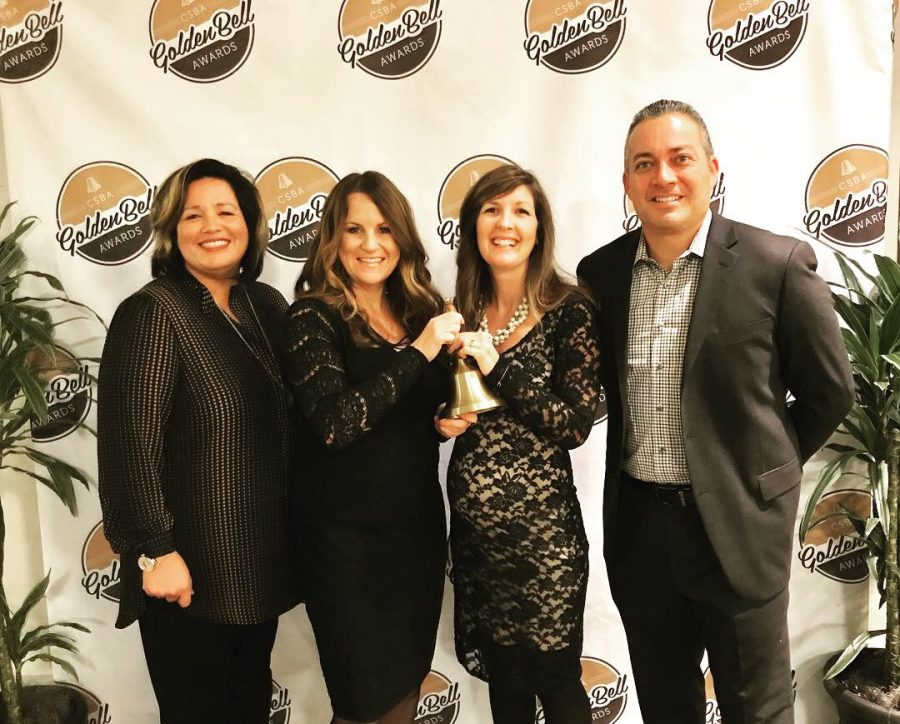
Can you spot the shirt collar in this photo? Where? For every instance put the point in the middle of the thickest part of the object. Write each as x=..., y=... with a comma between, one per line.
x=696, y=247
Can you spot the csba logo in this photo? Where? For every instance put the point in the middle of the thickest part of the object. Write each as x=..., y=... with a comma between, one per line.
x=846, y=196
x=831, y=546
x=389, y=38
x=103, y=213
x=573, y=36
x=438, y=700
x=201, y=40
x=756, y=34
x=456, y=185
x=100, y=567
x=293, y=192
x=30, y=38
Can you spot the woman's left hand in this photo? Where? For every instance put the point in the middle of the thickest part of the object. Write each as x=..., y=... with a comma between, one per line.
x=479, y=346
x=450, y=427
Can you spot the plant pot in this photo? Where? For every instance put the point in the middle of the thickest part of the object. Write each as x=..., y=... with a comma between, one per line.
x=50, y=704
x=853, y=708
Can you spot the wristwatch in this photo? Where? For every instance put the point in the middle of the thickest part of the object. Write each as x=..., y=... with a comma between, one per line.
x=146, y=563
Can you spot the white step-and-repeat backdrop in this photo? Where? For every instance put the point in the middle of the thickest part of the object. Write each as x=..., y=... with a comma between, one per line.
x=101, y=100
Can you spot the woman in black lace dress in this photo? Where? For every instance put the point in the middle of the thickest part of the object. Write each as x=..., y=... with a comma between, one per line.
x=519, y=551
x=362, y=339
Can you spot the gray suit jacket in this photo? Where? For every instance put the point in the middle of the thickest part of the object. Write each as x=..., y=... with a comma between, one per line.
x=763, y=324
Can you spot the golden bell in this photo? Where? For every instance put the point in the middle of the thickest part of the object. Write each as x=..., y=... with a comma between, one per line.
x=470, y=393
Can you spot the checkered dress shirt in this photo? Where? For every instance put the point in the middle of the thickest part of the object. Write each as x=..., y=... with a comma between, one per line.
x=658, y=322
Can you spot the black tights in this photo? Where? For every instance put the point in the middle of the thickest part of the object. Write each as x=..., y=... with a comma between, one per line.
x=404, y=712
x=518, y=675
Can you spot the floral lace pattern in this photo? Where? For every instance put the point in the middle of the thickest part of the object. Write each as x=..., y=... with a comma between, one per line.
x=517, y=539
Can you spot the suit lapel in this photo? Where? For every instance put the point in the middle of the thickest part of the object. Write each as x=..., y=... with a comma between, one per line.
x=719, y=260
x=620, y=302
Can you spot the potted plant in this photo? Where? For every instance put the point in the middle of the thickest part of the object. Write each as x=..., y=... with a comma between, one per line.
x=864, y=681
x=26, y=352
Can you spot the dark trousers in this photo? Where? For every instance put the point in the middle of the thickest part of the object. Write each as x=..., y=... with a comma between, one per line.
x=204, y=671
x=675, y=601
x=518, y=675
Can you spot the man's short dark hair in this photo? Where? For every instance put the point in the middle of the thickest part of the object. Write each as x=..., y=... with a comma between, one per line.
x=663, y=107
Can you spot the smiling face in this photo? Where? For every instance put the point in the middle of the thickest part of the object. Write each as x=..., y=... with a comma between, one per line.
x=212, y=233
x=668, y=176
x=506, y=229
x=368, y=251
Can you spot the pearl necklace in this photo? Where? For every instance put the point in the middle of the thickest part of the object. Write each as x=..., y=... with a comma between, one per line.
x=520, y=315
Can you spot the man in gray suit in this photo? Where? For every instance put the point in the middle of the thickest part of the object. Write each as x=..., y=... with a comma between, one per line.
x=706, y=325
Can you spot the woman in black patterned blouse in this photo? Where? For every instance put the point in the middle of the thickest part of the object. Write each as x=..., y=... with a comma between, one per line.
x=518, y=546
x=362, y=339
x=194, y=444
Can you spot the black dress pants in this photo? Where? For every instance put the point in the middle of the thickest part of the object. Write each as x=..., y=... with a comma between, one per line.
x=203, y=671
x=675, y=602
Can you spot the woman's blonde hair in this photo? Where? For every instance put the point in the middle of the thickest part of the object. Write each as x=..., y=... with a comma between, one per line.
x=412, y=296
x=168, y=205
x=545, y=288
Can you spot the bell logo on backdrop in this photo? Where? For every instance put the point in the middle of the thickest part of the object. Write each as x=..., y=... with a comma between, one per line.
x=713, y=715
x=716, y=204
x=756, y=34
x=201, y=40
x=67, y=390
x=30, y=38
x=280, y=707
x=573, y=36
x=846, y=196
x=831, y=547
x=607, y=690
x=103, y=213
x=98, y=711
x=439, y=700
x=100, y=567
x=389, y=39
x=293, y=192
x=456, y=185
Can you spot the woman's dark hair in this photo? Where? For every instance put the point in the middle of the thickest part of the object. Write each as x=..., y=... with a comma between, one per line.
x=545, y=288
x=168, y=205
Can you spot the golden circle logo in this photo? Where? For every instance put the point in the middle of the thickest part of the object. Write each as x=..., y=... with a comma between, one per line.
x=756, y=34
x=389, y=39
x=606, y=688
x=713, y=715
x=201, y=40
x=103, y=213
x=438, y=700
x=280, y=707
x=602, y=411
x=97, y=710
x=67, y=391
x=573, y=36
x=456, y=185
x=293, y=192
x=100, y=567
x=30, y=38
x=831, y=546
x=846, y=196
x=716, y=204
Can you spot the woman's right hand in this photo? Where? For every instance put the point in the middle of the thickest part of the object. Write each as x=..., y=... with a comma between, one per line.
x=439, y=331
x=170, y=580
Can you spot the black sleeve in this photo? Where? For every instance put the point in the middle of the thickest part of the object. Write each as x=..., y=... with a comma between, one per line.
x=565, y=413
x=338, y=413
x=138, y=375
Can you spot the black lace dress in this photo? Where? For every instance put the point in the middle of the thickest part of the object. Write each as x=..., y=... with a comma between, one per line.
x=367, y=507
x=518, y=546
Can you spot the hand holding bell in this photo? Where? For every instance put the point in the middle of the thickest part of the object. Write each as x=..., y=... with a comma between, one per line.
x=469, y=391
